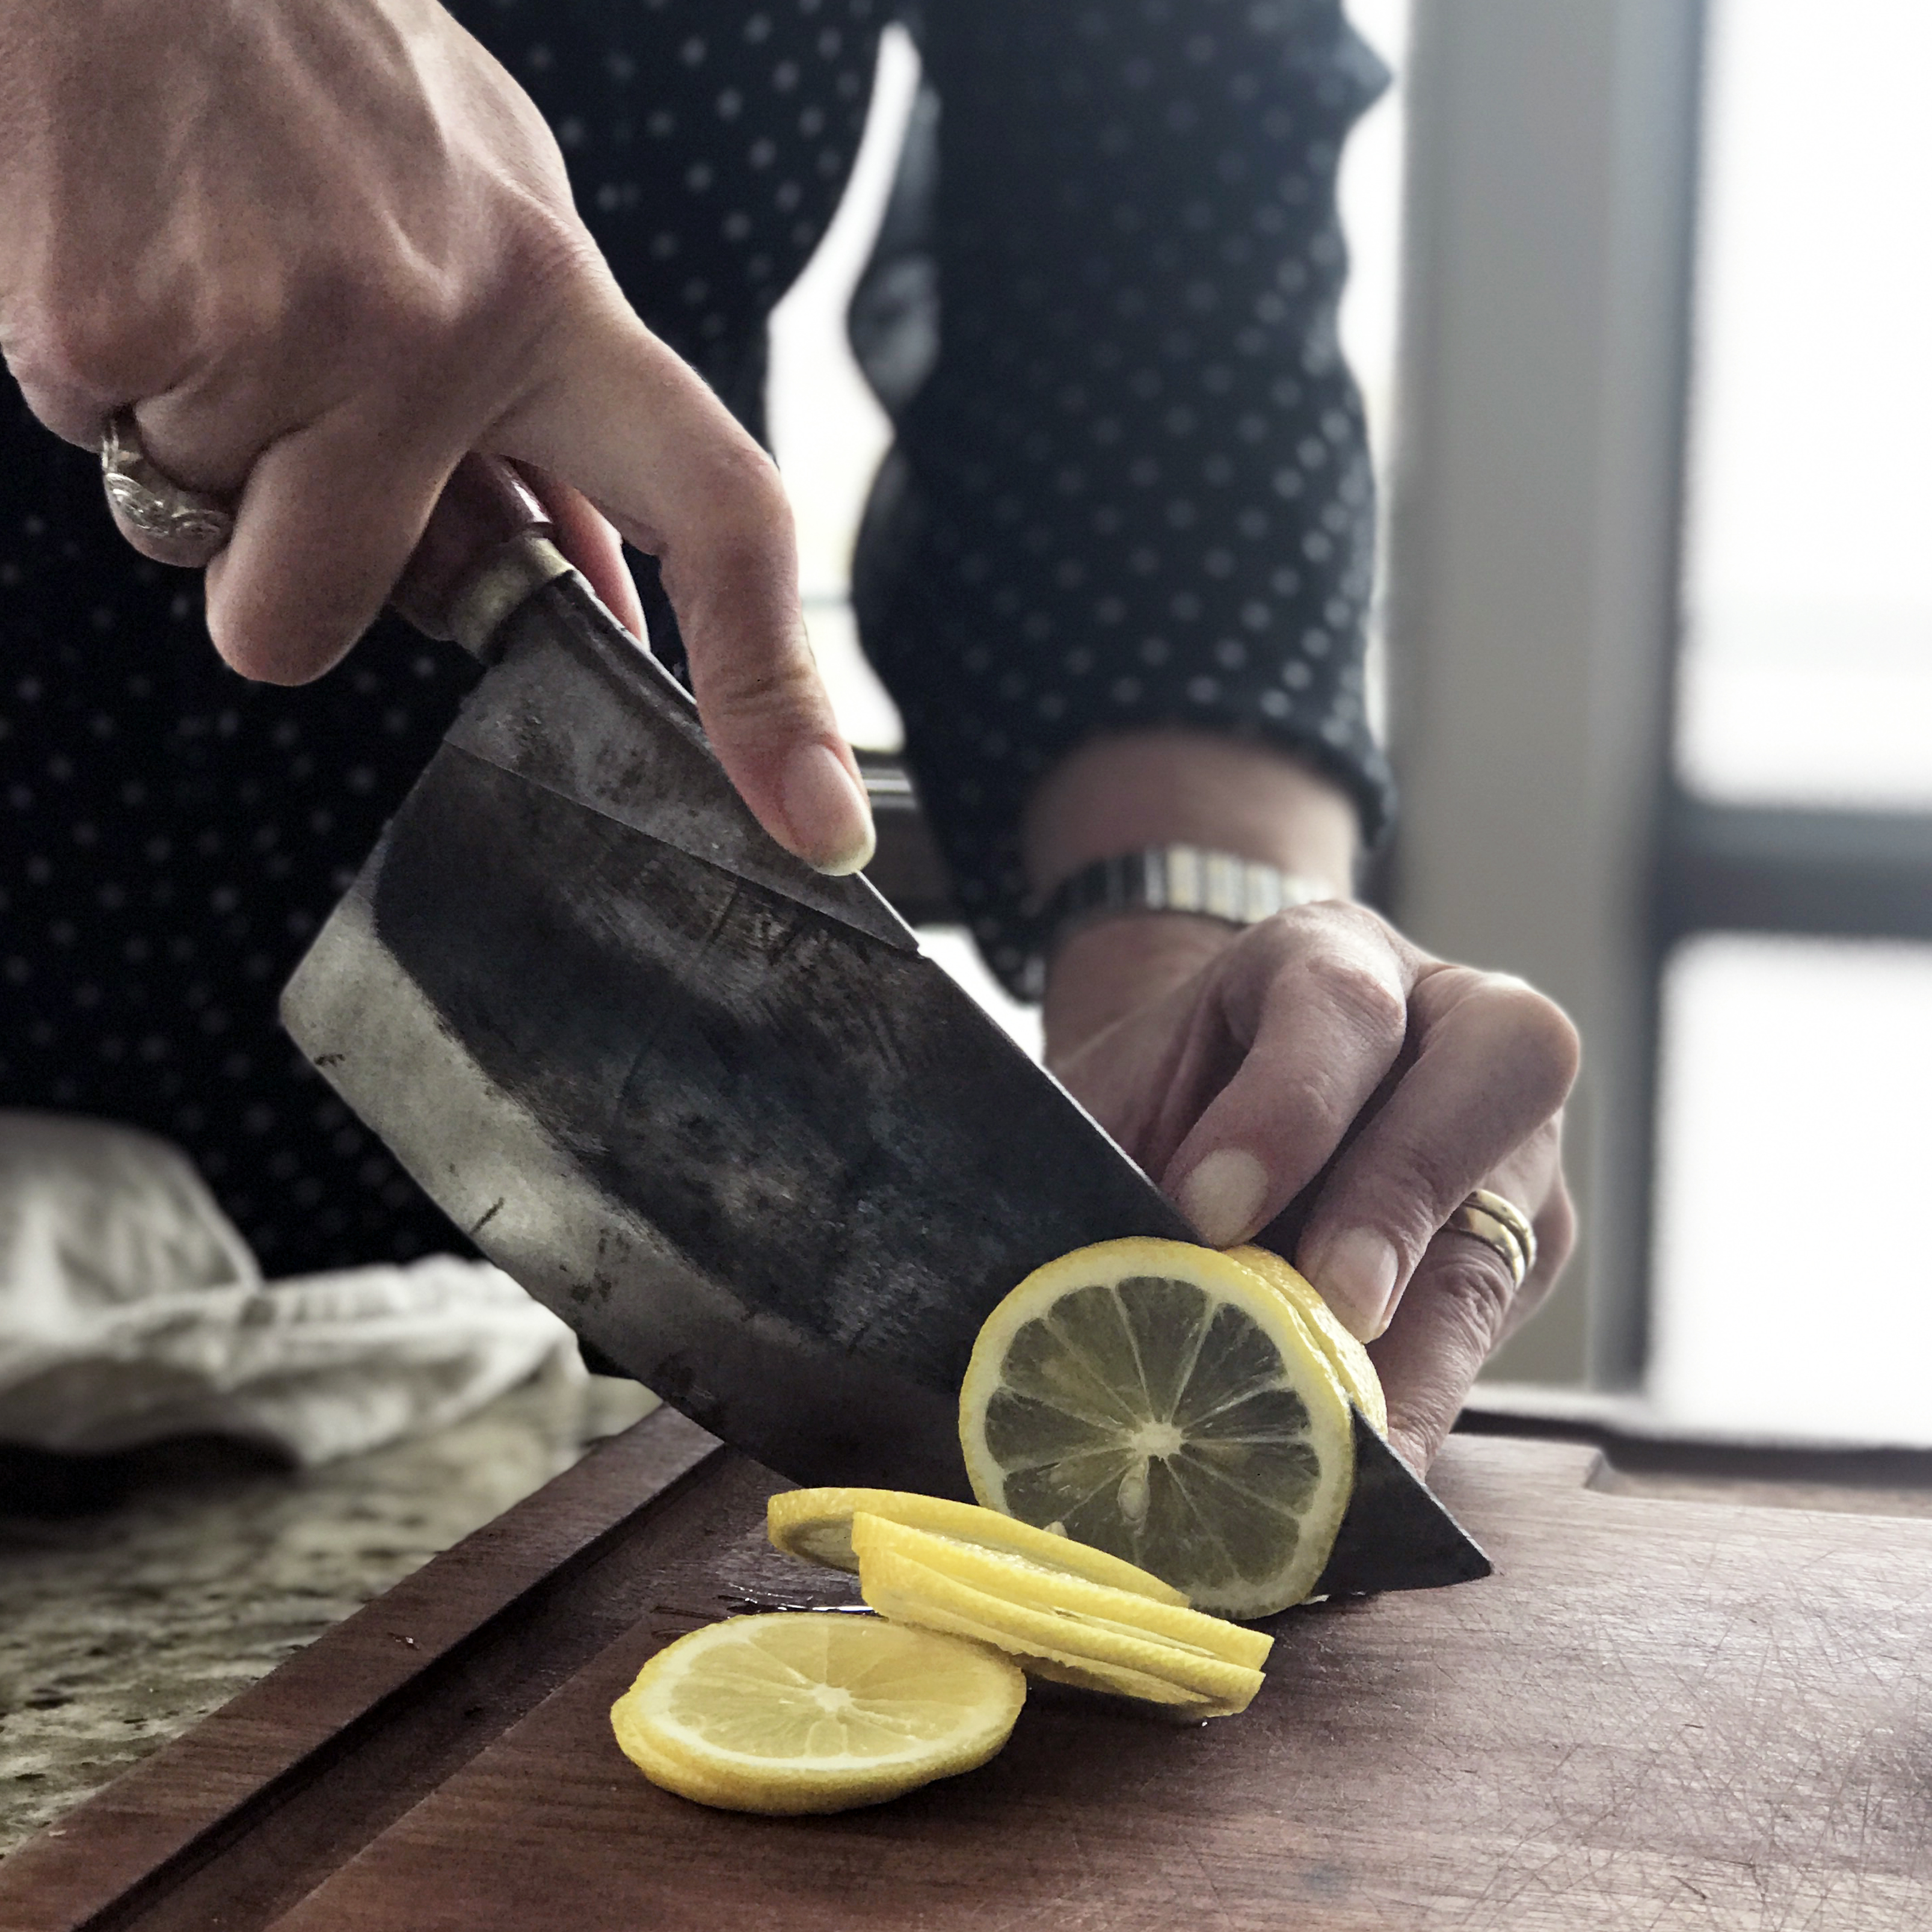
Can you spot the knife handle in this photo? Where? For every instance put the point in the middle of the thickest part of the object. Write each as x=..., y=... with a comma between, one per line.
x=484, y=553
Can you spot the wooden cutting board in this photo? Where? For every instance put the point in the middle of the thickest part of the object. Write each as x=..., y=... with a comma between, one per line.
x=1658, y=1712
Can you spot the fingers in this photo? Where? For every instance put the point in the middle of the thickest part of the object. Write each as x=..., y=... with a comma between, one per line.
x=591, y=542
x=1460, y=1304
x=1318, y=999
x=324, y=525
x=330, y=511
x=633, y=428
x=1494, y=1062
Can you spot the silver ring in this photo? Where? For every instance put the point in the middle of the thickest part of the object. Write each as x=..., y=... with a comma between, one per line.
x=1500, y=1225
x=160, y=517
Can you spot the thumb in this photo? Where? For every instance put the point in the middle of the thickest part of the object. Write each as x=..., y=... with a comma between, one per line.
x=625, y=420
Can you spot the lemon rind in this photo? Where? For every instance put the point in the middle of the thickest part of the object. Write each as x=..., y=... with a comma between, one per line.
x=1013, y=1580
x=1346, y=1355
x=900, y=1587
x=793, y=1514
x=1114, y=1680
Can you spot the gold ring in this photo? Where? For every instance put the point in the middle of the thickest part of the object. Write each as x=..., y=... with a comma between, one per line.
x=1500, y=1225
x=160, y=517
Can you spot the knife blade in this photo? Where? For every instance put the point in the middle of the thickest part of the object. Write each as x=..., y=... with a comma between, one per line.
x=717, y=1111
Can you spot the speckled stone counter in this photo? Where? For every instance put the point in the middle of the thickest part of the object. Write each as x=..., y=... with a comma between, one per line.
x=121, y=1627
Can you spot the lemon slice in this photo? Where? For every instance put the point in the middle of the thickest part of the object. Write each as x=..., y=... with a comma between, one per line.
x=1015, y=1580
x=1160, y=1402
x=1083, y=1650
x=795, y=1712
x=1346, y=1356
x=817, y=1524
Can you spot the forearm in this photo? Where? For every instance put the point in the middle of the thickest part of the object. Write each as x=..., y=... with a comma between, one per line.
x=1118, y=794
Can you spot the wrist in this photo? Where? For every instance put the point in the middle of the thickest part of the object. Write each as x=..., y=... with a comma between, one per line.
x=1115, y=795
x=1112, y=797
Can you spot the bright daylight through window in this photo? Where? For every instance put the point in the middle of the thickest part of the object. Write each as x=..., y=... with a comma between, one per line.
x=1793, y=1123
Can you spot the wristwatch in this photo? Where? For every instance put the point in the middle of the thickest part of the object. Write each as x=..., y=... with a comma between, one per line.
x=1171, y=878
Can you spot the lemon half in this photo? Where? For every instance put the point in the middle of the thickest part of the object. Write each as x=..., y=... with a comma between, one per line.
x=792, y=1712
x=1161, y=1402
x=1346, y=1356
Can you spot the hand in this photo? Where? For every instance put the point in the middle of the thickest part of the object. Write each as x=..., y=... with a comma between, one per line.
x=326, y=250
x=1317, y=1081
x=1321, y=1084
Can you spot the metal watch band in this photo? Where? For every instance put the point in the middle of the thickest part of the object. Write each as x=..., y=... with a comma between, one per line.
x=1173, y=878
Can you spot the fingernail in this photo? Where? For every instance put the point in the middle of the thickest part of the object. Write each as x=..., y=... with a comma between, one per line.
x=1355, y=1275
x=825, y=808
x=1223, y=1196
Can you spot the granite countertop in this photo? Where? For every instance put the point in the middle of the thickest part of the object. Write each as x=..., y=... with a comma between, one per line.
x=122, y=1625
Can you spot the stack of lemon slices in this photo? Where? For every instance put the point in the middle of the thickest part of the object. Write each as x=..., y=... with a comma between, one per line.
x=1155, y=1431
x=1062, y=1609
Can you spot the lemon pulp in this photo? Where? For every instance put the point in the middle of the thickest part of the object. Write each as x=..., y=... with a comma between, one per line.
x=790, y=1712
x=1161, y=1402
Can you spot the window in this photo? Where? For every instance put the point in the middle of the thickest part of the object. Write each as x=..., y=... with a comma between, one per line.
x=1795, y=1070
x=1664, y=383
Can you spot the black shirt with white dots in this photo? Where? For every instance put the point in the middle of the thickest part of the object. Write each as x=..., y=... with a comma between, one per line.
x=1130, y=488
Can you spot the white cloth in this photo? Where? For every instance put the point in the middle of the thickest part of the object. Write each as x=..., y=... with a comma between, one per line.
x=130, y=1309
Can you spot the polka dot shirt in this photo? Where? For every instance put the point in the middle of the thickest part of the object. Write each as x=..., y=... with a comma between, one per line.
x=1129, y=488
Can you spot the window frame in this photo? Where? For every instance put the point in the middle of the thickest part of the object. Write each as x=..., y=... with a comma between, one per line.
x=1537, y=507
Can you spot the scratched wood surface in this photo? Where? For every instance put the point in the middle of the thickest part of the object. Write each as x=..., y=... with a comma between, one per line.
x=1661, y=1712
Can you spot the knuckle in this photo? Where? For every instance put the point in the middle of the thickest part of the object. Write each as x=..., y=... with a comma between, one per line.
x=1546, y=1034
x=1370, y=1001
x=1318, y=1091
x=754, y=518
x=79, y=341
x=767, y=689
x=267, y=641
x=1407, y=1195
x=1472, y=1287
x=1528, y=1043
x=396, y=316
x=1347, y=922
x=545, y=258
x=262, y=660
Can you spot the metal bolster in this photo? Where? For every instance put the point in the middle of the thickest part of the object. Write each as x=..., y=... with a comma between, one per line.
x=507, y=579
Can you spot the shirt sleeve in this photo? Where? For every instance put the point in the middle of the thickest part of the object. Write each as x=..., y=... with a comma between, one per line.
x=1130, y=485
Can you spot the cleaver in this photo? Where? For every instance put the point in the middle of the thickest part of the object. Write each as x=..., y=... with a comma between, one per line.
x=715, y=1110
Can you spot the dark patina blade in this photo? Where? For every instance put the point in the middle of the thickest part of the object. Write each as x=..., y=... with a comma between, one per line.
x=716, y=1111
x=1397, y=1535
x=760, y=1152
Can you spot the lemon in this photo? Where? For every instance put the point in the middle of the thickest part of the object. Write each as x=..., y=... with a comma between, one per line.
x=1160, y=1402
x=794, y=1712
x=1346, y=1356
x=1074, y=1650
x=817, y=1524
x=1018, y=1580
